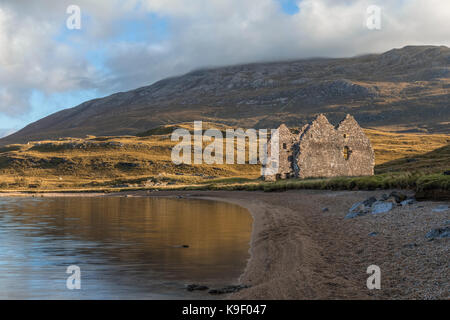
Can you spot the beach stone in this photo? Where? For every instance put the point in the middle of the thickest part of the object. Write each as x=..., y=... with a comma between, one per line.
x=228, y=289
x=355, y=206
x=382, y=207
x=440, y=208
x=368, y=202
x=397, y=196
x=438, y=233
x=408, y=202
x=358, y=209
x=193, y=287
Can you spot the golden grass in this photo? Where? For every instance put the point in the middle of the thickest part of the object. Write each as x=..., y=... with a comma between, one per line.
x=130, y=162
x=390, y=146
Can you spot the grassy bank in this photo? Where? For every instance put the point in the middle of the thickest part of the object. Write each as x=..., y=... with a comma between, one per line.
x=426, y=185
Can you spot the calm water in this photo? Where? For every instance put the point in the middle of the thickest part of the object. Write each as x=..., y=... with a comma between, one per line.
x=126, y=248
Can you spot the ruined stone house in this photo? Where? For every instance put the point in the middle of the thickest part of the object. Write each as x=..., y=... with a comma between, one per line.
x=323, y=150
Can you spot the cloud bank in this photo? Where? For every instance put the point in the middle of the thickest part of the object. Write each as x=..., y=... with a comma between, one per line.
x=124, y=44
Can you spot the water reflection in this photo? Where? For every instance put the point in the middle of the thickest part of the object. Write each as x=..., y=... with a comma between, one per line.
x=127, y=248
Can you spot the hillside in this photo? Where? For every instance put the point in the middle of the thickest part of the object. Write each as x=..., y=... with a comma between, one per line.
x=144, y=161
x=403, y=90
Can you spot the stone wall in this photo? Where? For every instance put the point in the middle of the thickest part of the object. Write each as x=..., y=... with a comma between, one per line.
x=361, y=160
x=322, y=150
x=287, y=145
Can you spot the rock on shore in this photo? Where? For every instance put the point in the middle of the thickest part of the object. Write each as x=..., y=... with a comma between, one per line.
x=385, y=204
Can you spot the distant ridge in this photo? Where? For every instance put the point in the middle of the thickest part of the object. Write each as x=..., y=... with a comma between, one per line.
x=402, y=89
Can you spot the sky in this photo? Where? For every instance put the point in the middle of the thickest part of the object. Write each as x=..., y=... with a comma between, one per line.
x=125, y=44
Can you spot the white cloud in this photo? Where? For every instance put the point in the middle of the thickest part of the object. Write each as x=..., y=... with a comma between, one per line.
x=220, y=32
x=201, y=33
x=31, y=59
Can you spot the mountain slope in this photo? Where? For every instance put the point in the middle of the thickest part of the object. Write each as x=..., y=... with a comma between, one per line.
x=402, y=89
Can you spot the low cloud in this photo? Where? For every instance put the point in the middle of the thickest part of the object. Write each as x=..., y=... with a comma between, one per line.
x=33, y=56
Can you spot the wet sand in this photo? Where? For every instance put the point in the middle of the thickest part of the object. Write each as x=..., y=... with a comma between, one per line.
x=300, y=251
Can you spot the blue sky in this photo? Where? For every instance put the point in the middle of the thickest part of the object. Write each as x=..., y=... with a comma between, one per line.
x=289, y=6
x=147, y=29
x=125, y=44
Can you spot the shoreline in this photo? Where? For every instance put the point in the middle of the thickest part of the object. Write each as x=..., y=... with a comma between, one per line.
x=300, y=251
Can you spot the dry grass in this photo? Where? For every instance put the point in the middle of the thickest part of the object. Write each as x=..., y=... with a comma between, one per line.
x=129, y=162
x=391, y=146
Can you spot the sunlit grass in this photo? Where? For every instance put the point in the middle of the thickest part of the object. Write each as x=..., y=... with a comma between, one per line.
x=407, y=160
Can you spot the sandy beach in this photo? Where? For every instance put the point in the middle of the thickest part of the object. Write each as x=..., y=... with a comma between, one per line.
x=303, y=248
x=301, y=251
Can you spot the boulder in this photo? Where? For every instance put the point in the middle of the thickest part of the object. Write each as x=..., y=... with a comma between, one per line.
x=397, y=196
x=438, y=233
x=355, y=207
x=358, y=209
x=368, y=202
x=440, y=208
x=375, y=206
x=381, y=207
x=407, y=202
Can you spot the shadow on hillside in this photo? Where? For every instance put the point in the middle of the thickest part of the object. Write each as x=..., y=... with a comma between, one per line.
x=435, y=161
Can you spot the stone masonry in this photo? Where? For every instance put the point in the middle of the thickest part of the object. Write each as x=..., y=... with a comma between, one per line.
x=323, y=150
